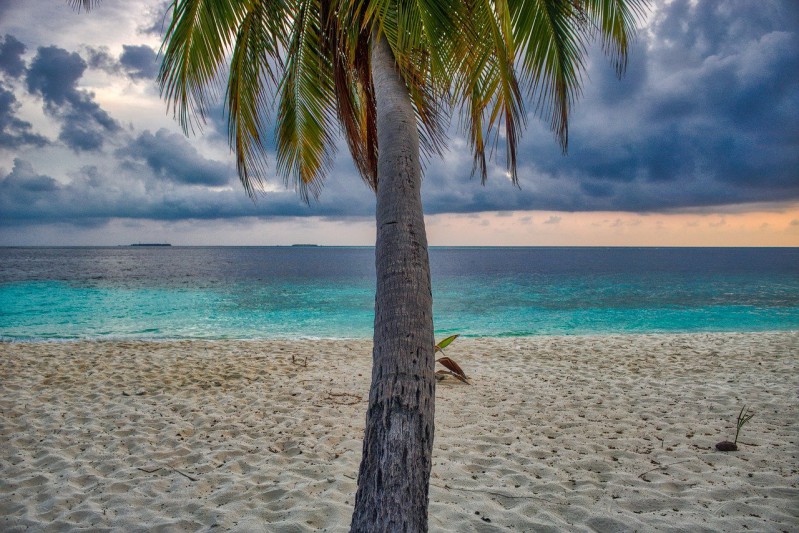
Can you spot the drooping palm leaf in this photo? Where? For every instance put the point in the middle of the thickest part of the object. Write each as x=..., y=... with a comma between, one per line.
x=307, y=120
x=254, y=73
x=486, y=87
x=416, y=32
x=614, y=21
x=195, y=50
x=83, y=4
x=552, y=37
x=453, y=369
x=347, y=44
x=479, y=57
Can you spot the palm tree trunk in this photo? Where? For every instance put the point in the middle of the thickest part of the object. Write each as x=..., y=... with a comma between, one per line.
x=394, y=475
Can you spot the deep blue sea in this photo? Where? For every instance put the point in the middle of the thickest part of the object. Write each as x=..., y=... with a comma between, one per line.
x=287, y=292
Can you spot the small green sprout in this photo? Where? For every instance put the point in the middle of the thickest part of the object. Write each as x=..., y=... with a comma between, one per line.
x=743, y=417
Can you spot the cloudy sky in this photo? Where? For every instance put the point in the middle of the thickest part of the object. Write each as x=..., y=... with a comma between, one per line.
x=697, y=145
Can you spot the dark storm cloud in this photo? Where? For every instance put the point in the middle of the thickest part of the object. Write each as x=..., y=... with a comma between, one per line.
x=172, y=157
x=139, y=61
x=11, y=62
x=707, y=115
x=54, y=75
x=714, y=122
x=24, y=179
x=15, y=132
x=101, y=58
x=95, y=195
x=136, y=61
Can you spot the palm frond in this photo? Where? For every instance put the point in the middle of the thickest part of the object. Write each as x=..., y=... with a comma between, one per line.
x=195, y=47
x=552, y=36
x=615, y=22
x=252, y=82
x=453, y=369
x=487, y=89
x=307, y=105
x=417, y=31
x=347, y=44
x=86, y=5
x=481, y=57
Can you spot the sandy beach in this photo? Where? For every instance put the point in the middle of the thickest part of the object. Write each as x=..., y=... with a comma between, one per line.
x=610, y=433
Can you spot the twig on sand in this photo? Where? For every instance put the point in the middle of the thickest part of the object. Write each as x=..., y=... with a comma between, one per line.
x=182, y=474
x=661, y=467
x=151, y=470
x=346, y=398
x=500, y=494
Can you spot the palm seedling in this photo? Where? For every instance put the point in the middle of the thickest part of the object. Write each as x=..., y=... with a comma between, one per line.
x=743, y=417
x=453, y=369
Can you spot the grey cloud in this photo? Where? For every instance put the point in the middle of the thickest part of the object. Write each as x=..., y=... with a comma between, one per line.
x=100, y=58
x=172, y=157
x=139, y=61
x=158, y=19
x=11, y=62
x=597, y=190
x=79, y=135
x=23, y=178
x=94, y=195
x=6, y=6
x=707, y=115
x=21, y=192
x=161, y=176
x=54, y=74
x=15, y=132
x=136, y=61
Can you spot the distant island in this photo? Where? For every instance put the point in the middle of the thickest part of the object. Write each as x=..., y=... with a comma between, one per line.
x=151, y=244
x=304, y=245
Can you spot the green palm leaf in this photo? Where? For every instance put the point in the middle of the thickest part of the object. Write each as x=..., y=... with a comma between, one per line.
x=552, y=41
x=486, y=87
x=252, y=82
x=615, y=21
x=477, y=56
x=307, y=104
x=194, y=52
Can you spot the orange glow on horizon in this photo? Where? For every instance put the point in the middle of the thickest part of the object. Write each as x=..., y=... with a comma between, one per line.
x=724, y=227
x=545, y=228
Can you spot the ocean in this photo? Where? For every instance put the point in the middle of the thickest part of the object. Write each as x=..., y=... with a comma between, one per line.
x=328, y=292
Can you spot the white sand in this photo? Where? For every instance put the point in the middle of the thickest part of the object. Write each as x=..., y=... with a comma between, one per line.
x=611, y=433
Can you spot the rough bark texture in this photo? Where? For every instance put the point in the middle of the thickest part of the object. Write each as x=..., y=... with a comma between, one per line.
x=394, y=475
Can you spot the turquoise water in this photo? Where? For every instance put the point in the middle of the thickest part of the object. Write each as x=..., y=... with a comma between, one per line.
x=218, y=292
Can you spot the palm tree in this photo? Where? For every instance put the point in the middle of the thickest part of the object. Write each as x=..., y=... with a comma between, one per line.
x=387, y=74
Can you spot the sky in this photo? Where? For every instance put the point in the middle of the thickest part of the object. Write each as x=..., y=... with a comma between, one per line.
x=697, y=145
